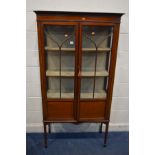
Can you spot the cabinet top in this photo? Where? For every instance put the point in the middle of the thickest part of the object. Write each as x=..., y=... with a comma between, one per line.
x=39, y=12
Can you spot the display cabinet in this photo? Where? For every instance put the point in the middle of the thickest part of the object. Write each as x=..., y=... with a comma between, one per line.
x=77, y=53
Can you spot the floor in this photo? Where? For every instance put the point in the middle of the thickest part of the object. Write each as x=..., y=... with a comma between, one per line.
x=78, y=144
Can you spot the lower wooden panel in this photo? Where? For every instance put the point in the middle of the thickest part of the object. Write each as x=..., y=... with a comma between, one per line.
x=60, y=110
x=92, y=110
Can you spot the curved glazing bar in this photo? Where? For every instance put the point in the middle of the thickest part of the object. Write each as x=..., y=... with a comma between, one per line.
x=58, y=39
x=98, y=41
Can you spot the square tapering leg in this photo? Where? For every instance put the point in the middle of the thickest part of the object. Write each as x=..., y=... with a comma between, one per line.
x=100, y=128
x=49, y=128
x=106, y=134
x=45, y=136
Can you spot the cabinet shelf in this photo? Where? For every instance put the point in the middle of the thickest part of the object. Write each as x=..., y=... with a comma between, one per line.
x=57, y=49
x=73, y=49
x=101, y=94
x=51, y=94
x=71, y=73
x=98, y=73
x=57, y=73
x=98, y=50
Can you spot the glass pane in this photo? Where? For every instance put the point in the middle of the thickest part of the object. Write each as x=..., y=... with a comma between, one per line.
x=99, y=35
x=53, y=86
x=101, y=61
x=67, y=88
x=56, y=36
x=60, y=56
x=86, y=88
x=100, y=87
x=88, y=62
x=96, y=48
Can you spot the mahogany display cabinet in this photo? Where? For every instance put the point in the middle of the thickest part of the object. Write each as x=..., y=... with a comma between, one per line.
x=77, y=54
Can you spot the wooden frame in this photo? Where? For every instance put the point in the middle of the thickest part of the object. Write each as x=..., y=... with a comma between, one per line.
x=76, y=109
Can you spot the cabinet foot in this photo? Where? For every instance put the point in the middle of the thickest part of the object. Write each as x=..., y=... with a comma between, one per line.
x=104, y=145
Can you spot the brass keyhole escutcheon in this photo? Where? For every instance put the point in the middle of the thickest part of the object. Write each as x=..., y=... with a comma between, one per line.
x=66, y=35
x=93, y=33
x=83, y=18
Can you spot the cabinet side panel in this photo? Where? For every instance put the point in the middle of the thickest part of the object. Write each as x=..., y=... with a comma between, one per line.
x=112, y=70
x=42, y=67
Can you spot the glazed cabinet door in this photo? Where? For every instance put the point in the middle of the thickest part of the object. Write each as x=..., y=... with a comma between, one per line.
x=95, y=50
x=60, y=51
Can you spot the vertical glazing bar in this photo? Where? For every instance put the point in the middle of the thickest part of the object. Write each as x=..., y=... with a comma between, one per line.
x=106, y=68
x=60, y=69
x=111, y=37
x=60, y=46
x=76, y=34
x=93, y=33
x=79, y=68
x=108, y=54
x=95, y=71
